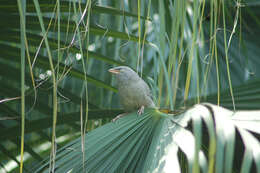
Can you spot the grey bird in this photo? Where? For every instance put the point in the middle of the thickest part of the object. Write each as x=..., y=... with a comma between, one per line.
x=134, y=93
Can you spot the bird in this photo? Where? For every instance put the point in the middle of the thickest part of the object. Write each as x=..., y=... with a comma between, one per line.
x=134, y=93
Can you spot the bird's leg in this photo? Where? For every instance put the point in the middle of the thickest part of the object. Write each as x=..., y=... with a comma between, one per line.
x=118, y=116
x=141, y=110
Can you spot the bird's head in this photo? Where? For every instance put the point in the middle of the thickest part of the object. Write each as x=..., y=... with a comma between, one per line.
x=124, y=74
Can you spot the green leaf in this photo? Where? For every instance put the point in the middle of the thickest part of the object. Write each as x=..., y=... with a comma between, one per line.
x=149, y=143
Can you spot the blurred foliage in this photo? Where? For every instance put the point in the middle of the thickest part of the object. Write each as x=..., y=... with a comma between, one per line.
x=55, y=55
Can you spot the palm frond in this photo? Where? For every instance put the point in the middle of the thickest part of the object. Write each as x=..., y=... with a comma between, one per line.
x=151, y=143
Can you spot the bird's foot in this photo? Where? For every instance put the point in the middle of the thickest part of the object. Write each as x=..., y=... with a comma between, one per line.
x=118, y=116
x=141, y=110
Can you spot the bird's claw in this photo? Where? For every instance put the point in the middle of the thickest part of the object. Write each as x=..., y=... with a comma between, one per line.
x=141, y=110
x=118, y=116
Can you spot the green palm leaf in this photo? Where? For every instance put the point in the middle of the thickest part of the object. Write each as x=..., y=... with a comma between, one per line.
x=150, y=143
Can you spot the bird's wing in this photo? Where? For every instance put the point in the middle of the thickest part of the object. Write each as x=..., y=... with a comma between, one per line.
x=148, y=94
x=147, y=90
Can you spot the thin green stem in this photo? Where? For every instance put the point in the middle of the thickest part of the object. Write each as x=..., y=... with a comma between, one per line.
x=192, y=52
x=139, y=34
x=145, y=32
x=22, y=10
x=55, y=105
x=226, y=53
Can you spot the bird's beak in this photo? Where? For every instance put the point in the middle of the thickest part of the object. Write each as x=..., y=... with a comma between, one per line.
x=115, y=71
